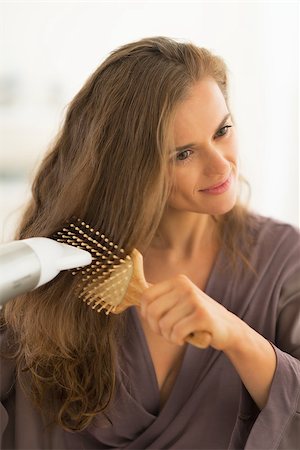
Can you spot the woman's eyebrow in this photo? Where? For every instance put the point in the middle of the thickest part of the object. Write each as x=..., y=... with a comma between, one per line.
x=193, y=144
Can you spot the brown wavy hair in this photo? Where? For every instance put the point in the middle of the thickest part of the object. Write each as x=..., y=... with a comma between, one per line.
x=109, y=164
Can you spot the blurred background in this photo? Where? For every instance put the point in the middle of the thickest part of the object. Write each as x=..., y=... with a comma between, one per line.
x=48, y=50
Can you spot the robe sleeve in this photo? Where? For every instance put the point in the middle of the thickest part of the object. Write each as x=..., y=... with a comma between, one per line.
x=277, y=425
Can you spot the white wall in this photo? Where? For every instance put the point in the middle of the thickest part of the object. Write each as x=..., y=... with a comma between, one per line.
x=50, y=48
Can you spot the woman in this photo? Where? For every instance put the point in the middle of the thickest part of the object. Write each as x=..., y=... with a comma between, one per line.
x=143, y=145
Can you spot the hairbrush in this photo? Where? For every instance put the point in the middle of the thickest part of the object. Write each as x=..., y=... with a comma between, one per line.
x=114, y=280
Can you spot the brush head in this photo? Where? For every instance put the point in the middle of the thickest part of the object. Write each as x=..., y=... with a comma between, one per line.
x=102, y=284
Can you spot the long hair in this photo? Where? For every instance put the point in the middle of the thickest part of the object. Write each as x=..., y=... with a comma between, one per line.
x=109, y=164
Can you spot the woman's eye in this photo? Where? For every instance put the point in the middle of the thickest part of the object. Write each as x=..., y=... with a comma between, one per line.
x=225, y=129
x=182, y=153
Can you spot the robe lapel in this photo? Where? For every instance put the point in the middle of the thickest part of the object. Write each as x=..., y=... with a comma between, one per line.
x=195, y=367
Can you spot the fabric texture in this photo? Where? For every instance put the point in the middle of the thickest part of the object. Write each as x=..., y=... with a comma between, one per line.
x=208, y=407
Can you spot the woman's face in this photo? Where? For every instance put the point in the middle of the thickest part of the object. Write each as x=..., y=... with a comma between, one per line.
x=208, y=153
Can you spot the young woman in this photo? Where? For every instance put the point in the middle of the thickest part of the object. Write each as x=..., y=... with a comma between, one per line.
x=143, y=146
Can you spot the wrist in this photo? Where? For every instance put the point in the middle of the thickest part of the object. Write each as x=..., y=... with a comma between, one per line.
x=254, y=359
x=238, y=336
x=244, y=340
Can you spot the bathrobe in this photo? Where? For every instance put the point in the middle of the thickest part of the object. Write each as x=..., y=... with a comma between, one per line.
x=208, y=406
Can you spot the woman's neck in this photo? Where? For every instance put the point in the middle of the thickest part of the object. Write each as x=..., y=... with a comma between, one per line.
x=182, y=235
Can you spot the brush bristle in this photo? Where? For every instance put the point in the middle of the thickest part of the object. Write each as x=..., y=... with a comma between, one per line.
x=103, y=283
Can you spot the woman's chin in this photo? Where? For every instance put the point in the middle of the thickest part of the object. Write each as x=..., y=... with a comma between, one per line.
x=222, y=208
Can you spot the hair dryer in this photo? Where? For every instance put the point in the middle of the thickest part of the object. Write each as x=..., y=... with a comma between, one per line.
x=29, y=263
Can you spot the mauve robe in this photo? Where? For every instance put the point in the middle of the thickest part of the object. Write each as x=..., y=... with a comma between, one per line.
x=208, y=407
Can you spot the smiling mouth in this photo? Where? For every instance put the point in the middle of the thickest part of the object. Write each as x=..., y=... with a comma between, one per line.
x=220, y=189
x=218, y=184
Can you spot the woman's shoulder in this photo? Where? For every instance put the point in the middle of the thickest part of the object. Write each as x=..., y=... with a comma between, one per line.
x=276, y=242
x=270, y=228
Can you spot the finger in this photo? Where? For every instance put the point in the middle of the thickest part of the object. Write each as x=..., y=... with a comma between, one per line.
x=173, y=316
x=157, y=309
x=190, y=324
x=162, y=288
x=152, y=294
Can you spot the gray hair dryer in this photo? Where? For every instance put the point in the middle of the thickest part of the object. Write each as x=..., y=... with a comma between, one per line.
x=29, y=263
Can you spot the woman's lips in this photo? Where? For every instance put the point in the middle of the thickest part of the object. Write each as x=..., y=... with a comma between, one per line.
x=220, y=188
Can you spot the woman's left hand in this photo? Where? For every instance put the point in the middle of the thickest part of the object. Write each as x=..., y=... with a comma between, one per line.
x=176, y=307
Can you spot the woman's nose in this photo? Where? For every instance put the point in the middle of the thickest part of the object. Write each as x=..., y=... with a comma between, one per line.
x=215, y=163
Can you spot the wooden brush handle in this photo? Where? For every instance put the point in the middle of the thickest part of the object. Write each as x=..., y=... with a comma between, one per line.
x=138, y=285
